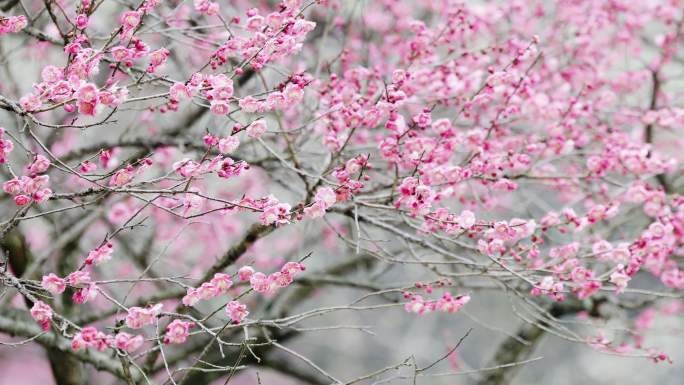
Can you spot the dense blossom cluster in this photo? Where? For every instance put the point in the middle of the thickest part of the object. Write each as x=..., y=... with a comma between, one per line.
x=12, y=24
x=189, y=148
x=259, y=282
x=90, y=337
x=447, y=303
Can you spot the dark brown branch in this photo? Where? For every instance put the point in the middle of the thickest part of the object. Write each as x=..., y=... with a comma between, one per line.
x=8, y=4
x=256, y=232
x=512, y=350
x=648, y=130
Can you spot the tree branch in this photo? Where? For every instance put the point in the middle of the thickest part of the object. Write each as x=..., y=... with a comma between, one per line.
x=52, y=341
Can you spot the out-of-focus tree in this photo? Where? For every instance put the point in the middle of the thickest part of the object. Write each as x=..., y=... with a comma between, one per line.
x=194, y=188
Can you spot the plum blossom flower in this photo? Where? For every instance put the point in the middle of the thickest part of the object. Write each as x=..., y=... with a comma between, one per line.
x=87, y=97
x=450, y=304
x=466, y=220
x=35, y=183
x=30, y=102
x=219, y=108
x=122, y=177
x=260, y=282
x=186, y=168
x=257, y=128
x=100, y=254
x=206, y=7
x=548, y=286
x=13, y=24
x=236, y=311
x=139, y=317
x=447, y=304
x=90, y=337
x=228, y=144
x=222, y=282
x=53, y=284
x=122, y=54
x=81, y=21
x=207, y=290
x=157, y=59
x=177, y=331
x=293, y=94
x=179, y=91
x=85, y=294
x=292, y=268
x=316, y=210
x=278, y=213
x=245, y=273
x=87, y=167
x=41, y=195
x=619, y=279
x=78, y=278
x=126, y=342
x=325, y=197
x=417, y=305
x=192, y=297
x=249, y=104
x=6, y=146
x=42, y=313
x=39, y=164
x=22, y=200
x=13, y=186
x=129, y=20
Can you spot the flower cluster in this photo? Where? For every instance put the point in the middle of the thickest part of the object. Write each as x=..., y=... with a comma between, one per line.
x=447, y=303
x=268, y=284
x=28, y=189
x=90, y=337
x=502, y=141
x=6, y=146
x=224, y=167
x=291, y=95
x=324, y=199
x=100, y=254
x=139, y=317
x=206, y=7
x=218, y=285
x=236, y=311
x=177, y=331
x=417, y=196
x=85, y=289
x=53, y=284
x=267, y=39
x=42, y=313
x=12, y=24
x=275, y=212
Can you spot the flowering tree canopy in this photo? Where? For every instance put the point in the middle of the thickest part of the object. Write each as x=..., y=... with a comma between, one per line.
x=198, y=191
